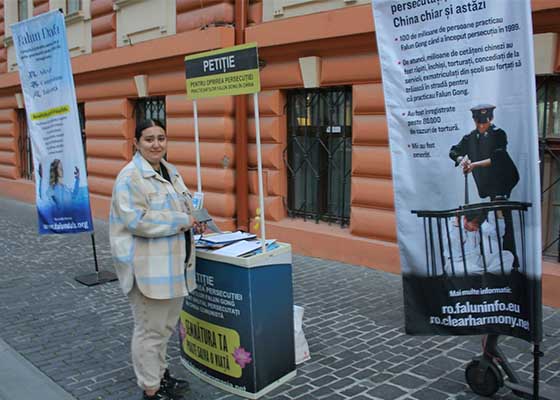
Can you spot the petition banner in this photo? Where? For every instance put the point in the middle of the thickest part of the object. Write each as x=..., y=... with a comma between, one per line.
x=52, y=114
x=230, y=71
x=459, y=87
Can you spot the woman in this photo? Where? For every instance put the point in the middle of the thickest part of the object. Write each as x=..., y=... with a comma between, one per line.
x=154, y=254
x=57, y=193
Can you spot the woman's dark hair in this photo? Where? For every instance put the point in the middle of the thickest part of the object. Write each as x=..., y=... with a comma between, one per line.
x=54, y=175
x=147, y=123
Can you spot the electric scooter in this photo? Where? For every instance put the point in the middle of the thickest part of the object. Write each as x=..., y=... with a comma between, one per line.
x=491, y=371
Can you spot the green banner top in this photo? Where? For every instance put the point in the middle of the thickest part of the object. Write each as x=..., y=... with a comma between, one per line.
x=224, y=72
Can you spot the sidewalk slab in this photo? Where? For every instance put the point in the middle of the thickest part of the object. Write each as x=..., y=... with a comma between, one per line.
x=20, y=380
x=80, y=335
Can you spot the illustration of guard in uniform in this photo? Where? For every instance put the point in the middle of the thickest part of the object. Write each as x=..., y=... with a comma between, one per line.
x=483, y=152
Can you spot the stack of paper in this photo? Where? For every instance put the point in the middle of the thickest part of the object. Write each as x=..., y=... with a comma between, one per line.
x=241, y=247
x=226, y=238
x=270, y=245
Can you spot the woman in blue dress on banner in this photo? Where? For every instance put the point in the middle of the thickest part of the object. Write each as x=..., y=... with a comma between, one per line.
x=58, y=194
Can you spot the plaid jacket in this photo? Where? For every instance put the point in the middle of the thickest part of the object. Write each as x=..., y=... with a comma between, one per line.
x=148, y=219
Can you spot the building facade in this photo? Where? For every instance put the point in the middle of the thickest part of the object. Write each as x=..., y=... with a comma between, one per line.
x=326, y=160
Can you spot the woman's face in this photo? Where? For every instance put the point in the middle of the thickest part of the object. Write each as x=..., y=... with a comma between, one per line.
x=59, y=170
x=152, y=145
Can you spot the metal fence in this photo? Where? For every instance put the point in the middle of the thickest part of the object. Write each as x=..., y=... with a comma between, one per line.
x=319, y=154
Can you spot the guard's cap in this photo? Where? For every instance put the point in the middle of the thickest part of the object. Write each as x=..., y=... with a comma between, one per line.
x=483, y=113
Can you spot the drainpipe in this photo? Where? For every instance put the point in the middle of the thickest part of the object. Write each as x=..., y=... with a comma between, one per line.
x=241, y=137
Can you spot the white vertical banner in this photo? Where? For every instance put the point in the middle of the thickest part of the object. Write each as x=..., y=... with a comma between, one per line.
x=459, y=87
x=52, y=114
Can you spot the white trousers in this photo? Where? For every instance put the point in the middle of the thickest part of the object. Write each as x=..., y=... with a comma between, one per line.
x=154, y=322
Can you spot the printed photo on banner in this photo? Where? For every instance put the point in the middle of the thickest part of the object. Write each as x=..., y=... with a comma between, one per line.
x=459, y=89
x=62, y=195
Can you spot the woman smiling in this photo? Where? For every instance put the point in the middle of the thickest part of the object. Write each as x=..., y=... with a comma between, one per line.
x=154, y=254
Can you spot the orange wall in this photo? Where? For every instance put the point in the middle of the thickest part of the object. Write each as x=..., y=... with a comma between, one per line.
x=372, y=212
x=195, y=14
x=538, y=5
x=109, y=132
x=348, y=58
x=273, y=142
x=217, y=150
x=103, y=25
x=39, y=6
x=345, y=42
x=3, y=51
x=9, y=135
x=255, y=12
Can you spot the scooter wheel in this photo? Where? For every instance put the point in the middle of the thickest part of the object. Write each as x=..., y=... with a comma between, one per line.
x=483, y=377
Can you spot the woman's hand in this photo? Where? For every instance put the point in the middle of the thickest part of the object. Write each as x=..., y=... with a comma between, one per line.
x=199, y=227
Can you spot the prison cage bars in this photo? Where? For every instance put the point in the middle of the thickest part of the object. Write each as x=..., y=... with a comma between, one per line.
x=436, y=225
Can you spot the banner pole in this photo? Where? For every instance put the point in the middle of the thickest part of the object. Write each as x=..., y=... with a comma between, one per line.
x=536, y=369
x=97, y=277
x=94, y=253
x=466, y=189
x=259, y=170
x=197, y=148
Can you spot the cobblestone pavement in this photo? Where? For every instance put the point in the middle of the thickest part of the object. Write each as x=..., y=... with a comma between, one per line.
x=79, y=336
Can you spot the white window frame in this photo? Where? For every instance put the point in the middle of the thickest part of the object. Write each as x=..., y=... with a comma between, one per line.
x=78, y=26
x=278, y=9
x=133, y=26
x=11, y=17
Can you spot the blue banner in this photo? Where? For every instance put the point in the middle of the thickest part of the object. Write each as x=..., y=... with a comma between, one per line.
x=47, y=83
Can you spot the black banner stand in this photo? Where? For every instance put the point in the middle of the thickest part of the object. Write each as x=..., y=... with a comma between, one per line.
x=537, y=354
x=97, y=277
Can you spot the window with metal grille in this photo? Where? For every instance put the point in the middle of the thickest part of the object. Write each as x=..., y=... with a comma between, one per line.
x=24, y=147
x=82, y=117
x=548, y=107
x=319, y=154
x=150, y=108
